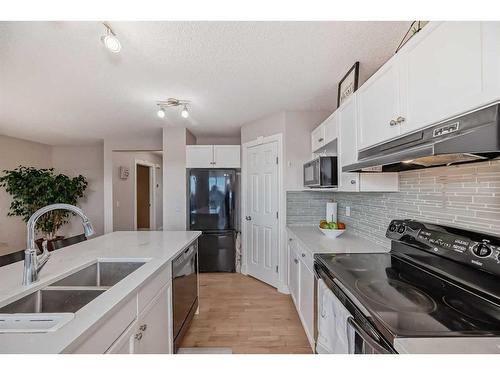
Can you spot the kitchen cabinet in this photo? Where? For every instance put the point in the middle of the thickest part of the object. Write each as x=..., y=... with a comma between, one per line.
x=447, y=69
x=444, y=73
x=318, y=138
x=153, y=333
x=347, y=154
x=213, y=156
x=379, y=105
x=293, y=272
x=301, y=286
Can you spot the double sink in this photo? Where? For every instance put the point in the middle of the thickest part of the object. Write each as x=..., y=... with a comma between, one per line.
x=67, y=295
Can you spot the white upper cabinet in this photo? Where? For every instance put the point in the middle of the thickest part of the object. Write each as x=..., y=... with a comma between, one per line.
x=213, y=156
x=331, y=128
x=200, y=156
x=318, y=138
x=444, y=73
x=379, y=105
x=347, y=144
x=226, y=156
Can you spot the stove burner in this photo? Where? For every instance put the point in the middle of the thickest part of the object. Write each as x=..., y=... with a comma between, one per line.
x=474, y=311
x=396, y=296
x=347, y=262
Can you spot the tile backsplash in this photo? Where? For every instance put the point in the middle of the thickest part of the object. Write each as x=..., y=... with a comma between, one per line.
x=465, y=195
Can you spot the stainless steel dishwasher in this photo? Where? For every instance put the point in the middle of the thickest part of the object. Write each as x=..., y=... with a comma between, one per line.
x=185, y=291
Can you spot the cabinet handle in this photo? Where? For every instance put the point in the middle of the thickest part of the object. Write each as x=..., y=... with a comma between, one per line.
x=303, y=255
x=320, y=140
x=400, y=119
x=248, y=218
x=138, y=336
x=353, y=182
x=296, y=261
x=393, y=123
x=143, y=327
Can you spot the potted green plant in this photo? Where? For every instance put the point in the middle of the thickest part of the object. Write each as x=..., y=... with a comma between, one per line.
x=33, y=188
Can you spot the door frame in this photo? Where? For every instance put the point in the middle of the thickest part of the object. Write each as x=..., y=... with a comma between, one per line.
x=282, y=285
x=152, y=196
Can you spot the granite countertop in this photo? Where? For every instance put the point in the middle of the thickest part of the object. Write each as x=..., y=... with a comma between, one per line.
x=154, y=248
x=316, y=242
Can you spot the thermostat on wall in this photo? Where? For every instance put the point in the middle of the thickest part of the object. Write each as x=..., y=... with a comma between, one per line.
x=124, y=172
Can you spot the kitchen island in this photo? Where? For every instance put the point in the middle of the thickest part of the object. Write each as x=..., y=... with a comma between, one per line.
x=109, y=322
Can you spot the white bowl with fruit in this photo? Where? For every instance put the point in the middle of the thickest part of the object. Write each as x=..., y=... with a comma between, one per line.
x=331, y=229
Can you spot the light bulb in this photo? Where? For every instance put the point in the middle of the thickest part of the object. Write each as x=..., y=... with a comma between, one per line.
x=110, y=41
x=184, y=112
x=161, y=113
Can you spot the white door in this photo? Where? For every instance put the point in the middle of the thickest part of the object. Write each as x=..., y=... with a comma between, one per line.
x=378, y=105
x=200, y=156
x=227, y=156
x=261, y=218
x=444, y=74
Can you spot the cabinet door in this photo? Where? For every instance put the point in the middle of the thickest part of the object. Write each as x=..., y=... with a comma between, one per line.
x=226, y=156
x=307, y=300
x=444, y=73
x=154, y=334
x=294, y=272
x=124, y=344
x=200, y=156
x=347, y=144
x=331, y=128
x=378, y=105
x=318, y=138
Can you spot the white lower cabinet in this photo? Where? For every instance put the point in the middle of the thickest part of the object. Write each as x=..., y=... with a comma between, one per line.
x=301, y=285
x=153, y=333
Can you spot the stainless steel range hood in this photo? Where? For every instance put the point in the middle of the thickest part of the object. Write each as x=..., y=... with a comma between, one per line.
x=471, y=137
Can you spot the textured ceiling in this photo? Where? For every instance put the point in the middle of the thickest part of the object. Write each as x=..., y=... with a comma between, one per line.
x=59, y=85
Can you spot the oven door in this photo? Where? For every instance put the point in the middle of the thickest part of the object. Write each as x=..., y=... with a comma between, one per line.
x=312, y=173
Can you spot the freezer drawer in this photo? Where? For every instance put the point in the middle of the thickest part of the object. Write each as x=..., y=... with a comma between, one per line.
x=217, y=251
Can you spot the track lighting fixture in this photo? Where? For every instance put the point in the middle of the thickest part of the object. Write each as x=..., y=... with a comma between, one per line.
x=110, y=40
x=184, y=112
x=172, y=102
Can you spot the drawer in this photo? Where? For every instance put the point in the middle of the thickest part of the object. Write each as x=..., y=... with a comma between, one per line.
x=153, y=286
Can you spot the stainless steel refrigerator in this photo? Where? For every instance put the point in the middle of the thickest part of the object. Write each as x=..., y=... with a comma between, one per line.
x=213, y=204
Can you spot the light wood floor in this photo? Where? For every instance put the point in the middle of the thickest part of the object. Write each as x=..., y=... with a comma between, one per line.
x=246, y=315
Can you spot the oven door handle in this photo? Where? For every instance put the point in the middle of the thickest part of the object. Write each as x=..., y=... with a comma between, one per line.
x=367, y=338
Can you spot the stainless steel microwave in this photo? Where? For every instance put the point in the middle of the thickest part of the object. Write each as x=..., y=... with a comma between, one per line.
x=321, y=172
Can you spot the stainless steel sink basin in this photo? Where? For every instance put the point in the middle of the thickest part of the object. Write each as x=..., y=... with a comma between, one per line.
x=100, y=274
x=52, y=301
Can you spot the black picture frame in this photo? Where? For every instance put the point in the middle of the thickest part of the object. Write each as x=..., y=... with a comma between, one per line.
x=354, y=68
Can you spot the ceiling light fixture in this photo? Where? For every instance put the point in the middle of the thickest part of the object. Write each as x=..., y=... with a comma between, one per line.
x=110, y=40
x=161, y=113
x=172, y=102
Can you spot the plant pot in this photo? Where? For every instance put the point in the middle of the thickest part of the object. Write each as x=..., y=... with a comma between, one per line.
x=49, y=243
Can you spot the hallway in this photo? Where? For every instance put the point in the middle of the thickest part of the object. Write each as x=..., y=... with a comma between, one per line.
x=244, y=314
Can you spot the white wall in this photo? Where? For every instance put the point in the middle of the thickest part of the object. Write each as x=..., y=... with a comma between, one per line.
x=218, y=140
x=15, y=152
x=87, y=161
x=269, y=125
x=174, y=177
x=123, y=190
x=70, y=160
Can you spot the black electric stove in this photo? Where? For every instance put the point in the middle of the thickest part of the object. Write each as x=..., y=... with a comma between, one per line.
x=436, y=281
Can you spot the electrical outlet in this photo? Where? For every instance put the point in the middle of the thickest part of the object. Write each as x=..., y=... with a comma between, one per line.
x=347, y=211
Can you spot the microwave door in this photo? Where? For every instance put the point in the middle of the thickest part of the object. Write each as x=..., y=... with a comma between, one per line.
x=311, y=173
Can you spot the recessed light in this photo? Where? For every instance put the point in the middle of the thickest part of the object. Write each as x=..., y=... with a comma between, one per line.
x=110, y=40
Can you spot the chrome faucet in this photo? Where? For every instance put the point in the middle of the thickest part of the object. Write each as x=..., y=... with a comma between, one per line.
x=33, y=263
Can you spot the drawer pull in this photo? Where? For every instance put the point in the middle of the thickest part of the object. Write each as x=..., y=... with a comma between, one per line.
x=143, y=327
x=303, y=255
x=138, y=336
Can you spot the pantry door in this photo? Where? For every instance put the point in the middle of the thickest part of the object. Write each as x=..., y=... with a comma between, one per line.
x=261, y=212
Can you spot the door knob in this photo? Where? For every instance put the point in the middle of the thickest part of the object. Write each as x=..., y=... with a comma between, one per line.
x=248, y=218
x=393, y=123
x=400, y=119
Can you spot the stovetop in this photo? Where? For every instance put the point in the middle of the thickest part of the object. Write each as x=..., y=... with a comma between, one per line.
x=412, y=292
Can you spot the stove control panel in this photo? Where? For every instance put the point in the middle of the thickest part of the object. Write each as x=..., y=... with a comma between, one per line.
x=479, y=250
